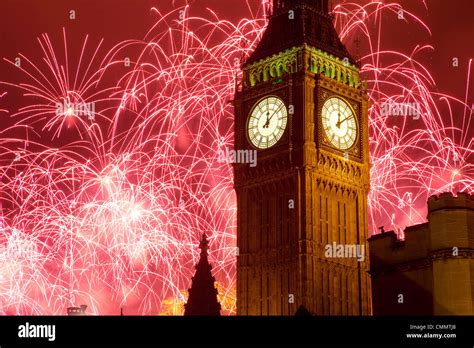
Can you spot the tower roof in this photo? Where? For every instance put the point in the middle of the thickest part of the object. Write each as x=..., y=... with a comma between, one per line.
x=310, y=23
x=202, y=294
x=318, y=5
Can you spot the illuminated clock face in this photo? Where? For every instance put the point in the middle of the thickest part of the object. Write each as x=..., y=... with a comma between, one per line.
x=267, y=122
x=339, y=123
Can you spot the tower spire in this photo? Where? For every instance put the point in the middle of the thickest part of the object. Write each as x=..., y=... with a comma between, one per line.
x=295, y=23
x=318, y=5
x=202, y=294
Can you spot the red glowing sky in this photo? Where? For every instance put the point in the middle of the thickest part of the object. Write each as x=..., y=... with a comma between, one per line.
x=22, y=21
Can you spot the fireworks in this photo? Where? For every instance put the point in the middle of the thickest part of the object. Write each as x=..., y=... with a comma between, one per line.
x=111, y=215
x=61, y=96
x=414, y=154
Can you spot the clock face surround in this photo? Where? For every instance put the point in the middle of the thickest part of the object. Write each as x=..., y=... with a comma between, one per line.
x=339, y=123
x=267, y=122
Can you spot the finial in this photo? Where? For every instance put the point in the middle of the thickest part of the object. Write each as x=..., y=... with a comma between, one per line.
x=204, y=244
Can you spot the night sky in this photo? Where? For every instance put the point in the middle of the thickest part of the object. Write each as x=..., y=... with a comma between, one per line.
x=22, y=21
x=117, y=20
x=114, y=21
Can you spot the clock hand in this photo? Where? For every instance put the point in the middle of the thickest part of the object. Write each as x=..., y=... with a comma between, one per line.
x=275, y=112
x=338, y=123
x=268, y=113
x=344, y=120
x=268, y=121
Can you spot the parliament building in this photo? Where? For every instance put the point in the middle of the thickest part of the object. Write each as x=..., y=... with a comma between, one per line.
x=431, y=271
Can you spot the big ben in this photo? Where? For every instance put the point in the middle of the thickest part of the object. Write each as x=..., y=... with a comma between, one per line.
x=303, y=110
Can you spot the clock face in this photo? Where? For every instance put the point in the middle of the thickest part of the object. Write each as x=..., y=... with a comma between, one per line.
x=267, y=122
x=339, y=123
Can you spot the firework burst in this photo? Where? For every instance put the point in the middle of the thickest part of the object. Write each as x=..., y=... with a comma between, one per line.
x=423, y=151
x=113, y=217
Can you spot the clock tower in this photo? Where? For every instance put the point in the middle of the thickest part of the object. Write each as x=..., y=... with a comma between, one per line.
x=302, y=210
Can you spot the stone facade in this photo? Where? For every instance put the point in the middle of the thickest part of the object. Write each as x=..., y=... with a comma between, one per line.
x=431, y=271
